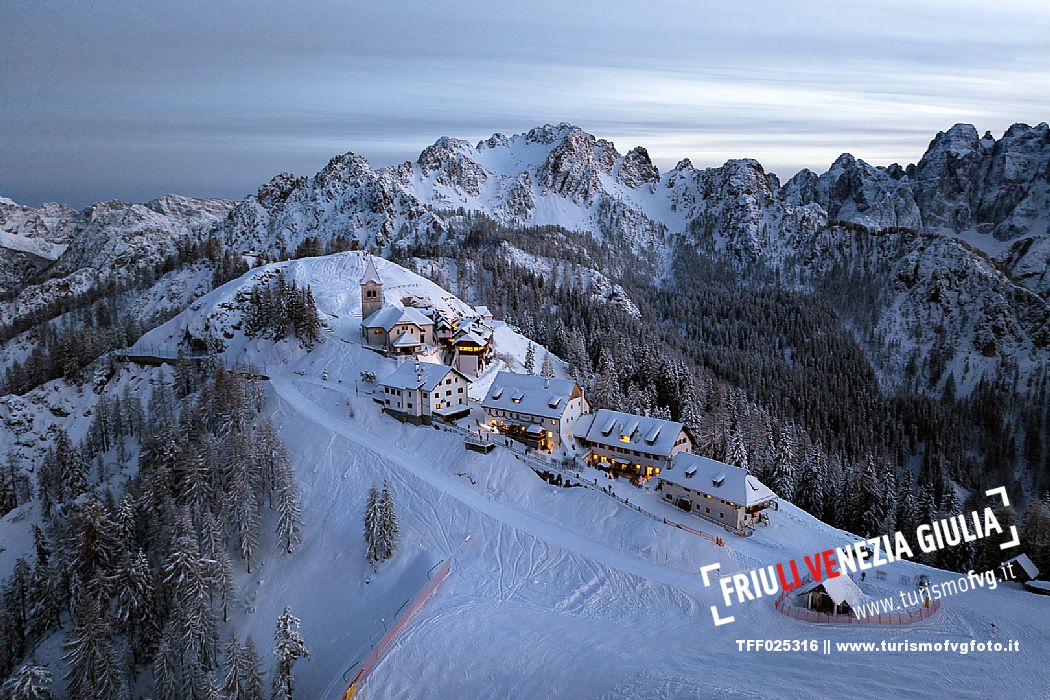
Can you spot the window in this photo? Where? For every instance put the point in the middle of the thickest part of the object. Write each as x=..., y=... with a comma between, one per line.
x=448, y=393
x=459, y=390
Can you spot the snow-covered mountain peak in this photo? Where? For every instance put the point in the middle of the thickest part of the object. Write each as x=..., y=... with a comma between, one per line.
x=637, y=169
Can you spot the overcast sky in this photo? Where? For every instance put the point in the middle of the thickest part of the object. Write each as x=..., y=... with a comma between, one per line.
x=132, y=100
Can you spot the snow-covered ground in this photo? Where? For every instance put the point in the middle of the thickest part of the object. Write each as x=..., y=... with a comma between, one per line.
x=554, y=592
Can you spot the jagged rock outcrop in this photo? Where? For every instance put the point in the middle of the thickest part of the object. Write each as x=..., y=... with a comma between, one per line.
x=987, y=190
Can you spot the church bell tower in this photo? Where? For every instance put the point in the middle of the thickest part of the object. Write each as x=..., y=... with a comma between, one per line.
x=371, y=290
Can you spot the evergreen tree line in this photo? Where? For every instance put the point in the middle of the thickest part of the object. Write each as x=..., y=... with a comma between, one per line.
x=275, y=308
x=139, y=583
x=313, y=247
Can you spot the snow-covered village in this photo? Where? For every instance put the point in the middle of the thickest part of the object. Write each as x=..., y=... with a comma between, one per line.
x=582, y=362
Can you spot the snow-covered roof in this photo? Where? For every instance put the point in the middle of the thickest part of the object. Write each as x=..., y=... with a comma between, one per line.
x=419, y=375
x=530, y=394
x=715, y=479
x=405, y=340
x=371, y=273
x=472, y=338
x=649, y=435
x=390, y=316
x=1025, y=563
x=482, y=311
x=839, y=589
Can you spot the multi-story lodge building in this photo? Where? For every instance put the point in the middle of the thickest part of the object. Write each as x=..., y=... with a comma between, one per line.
x=626, y=443
x=721, y=492
x=537, y=411
x=418, y=391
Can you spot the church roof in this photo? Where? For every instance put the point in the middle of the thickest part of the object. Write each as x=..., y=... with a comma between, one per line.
x=371, y=273
x=390, y=316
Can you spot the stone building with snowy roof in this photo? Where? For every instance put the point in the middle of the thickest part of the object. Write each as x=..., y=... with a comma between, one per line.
x=717, y=491
x=396, y=329
x=418, y=391
x=630, y=444
x=534, y=410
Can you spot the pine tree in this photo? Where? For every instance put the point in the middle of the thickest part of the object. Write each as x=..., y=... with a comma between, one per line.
x=28, y=682
x=185, y=575
x=289, y=523
x=736, y=450
x=547, y=370
x=907, y=509
x=14, y=484
x=73, y=467
x=290, y=648
x=251, y=676
x=812, y=483
x=579, y=360
x=607, y=384
x=94, y=673
x=872, y=506
x=373, y=528
x=233, y=682
x=782, y=470
x=166, y=682
x=134, y=588
x=389, y=527
x=94, y=549
x=530, y=359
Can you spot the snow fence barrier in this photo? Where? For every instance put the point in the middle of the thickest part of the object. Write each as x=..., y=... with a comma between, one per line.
x=413, y=608
x=897, y=618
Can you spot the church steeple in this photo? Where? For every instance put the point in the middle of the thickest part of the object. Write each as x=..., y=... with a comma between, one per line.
x=371, y=290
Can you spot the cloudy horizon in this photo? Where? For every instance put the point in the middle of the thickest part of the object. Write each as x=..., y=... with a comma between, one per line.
x=129, y=101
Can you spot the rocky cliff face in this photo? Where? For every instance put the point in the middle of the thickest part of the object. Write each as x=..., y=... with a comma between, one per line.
x=995, y=193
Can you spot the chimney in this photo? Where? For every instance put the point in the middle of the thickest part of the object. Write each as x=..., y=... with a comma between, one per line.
x=546, y=382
